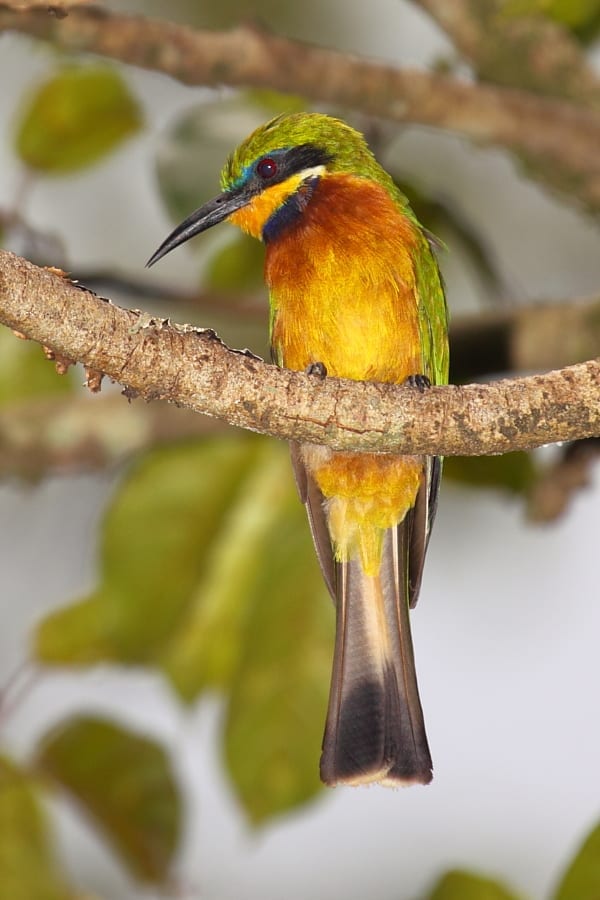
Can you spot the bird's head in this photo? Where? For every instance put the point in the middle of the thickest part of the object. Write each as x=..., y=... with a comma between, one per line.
x=278, y=166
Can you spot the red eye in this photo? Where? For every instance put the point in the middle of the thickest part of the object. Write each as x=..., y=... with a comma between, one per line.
x=267, y=167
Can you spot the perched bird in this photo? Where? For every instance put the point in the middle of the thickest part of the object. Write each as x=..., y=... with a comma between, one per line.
x=355, y=292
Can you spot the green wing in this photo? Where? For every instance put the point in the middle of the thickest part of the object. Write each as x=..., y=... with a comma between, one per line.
x=433, y=314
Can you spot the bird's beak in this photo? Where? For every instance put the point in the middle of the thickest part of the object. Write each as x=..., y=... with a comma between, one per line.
x=206, y=216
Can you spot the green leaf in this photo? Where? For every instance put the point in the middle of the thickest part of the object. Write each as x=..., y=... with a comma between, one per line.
x=79, y=634
x=205, y=649
x=278, y=695
x=157, y=541
x=75, y=118
x=581, y=881
x=25, y=372
x=459, y=885
x=513, y=472
x=28, y=870
x=125, y=783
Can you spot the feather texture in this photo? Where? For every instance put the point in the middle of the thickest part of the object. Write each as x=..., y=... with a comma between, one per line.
x=375, y=730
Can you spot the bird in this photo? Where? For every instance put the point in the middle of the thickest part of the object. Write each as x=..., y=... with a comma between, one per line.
x=356, y=293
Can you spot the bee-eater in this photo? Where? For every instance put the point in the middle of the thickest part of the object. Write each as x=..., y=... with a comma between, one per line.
x=355, y=292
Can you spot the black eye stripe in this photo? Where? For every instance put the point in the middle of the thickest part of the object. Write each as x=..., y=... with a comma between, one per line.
x=306, y=156
x=280, y=164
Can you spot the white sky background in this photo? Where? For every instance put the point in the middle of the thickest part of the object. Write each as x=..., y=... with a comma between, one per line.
x=506, y=633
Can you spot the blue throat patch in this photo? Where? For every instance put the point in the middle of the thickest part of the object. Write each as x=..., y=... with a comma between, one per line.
x=290, y=211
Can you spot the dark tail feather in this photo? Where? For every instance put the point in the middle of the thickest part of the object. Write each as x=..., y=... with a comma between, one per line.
x=375, y=730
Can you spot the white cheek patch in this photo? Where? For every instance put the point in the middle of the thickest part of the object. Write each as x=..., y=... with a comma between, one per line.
x=304, y=174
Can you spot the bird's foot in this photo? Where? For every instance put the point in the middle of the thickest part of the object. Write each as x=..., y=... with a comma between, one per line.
x=421, y=382
x=316, y=368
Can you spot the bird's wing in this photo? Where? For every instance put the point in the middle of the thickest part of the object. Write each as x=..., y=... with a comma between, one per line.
x=420, y=521
x=314, y=502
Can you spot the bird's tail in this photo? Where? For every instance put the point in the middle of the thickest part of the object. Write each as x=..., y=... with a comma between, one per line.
x=375, y=730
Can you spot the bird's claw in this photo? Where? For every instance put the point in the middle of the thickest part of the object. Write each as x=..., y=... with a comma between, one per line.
x=316, y=368
x=421, y=382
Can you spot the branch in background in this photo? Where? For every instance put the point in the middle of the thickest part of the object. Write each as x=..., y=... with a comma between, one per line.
x=193, y=368
x=250, y=307
x=525, y=338
x=527, y=52
x=83, y=433
x=531, y=126
x=554, y=490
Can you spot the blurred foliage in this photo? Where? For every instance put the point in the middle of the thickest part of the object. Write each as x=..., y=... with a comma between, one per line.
x=278, y=694
x=580, y=16
x=28, y=870
x=512, y=472
x=124, y=783
x=75, y=118
x=581, y=881
x=459, y=885
x=211, y=537
x=25, y=372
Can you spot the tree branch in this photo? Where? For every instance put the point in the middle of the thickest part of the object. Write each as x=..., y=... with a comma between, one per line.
x=193, y=368
x=556, y=487
x=525, y=338
x=526, y=51
x=529, y=125
x=75, y=432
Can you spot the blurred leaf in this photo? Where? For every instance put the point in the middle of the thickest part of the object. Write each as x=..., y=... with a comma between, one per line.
x=25, y=372
x=206, y=647
x=125, y=783
x=75, y=118
x=573, y=14
x=581, y=881
x=278, y=696
x=238, y=266
x=157, y=540
x=209, y=571
x=458, y=885
x=514, y=472
x=27, y=868
x=79, y=634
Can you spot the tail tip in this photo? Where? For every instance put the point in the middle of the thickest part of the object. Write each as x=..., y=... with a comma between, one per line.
x=390, y=776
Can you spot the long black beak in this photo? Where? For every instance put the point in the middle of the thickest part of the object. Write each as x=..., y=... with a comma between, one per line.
x=206, y=216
